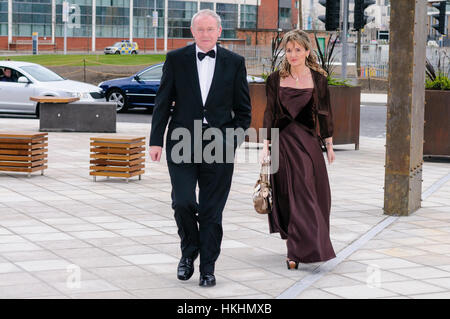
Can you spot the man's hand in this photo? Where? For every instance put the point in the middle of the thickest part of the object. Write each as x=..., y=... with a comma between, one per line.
x=155, y=153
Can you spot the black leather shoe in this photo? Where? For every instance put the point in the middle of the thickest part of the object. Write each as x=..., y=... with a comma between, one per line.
x=207, y=280
x=185, y=268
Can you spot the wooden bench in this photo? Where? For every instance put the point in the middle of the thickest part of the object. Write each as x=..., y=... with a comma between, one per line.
x=23, y=152
x=117, y=156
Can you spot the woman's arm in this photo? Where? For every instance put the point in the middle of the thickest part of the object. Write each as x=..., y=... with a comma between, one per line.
x=268, y=114
x=327, y=127
x=326, y=120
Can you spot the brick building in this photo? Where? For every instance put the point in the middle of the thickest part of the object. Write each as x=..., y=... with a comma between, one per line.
x=95, y=24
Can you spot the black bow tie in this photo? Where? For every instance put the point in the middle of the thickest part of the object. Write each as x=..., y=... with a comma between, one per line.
x=202, y=55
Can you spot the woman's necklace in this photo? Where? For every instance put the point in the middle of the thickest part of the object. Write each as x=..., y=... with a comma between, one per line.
x=297, y=77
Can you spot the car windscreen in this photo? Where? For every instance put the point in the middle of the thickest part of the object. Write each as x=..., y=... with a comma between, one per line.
x=41, y=74
x=117, y=45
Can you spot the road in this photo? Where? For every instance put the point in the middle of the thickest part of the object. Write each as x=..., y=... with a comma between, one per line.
x=373, y=119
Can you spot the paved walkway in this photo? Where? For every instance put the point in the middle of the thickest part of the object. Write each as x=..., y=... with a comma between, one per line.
x=121, y=240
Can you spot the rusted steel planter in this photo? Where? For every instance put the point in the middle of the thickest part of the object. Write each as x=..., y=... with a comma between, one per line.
x=437, y=123
x=258, y=98
x=345, y=103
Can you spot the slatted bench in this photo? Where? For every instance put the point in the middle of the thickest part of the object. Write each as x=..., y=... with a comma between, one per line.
x=117, y=156
x=23, y=152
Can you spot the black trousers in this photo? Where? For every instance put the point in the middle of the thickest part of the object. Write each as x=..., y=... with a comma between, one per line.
x=200, y=223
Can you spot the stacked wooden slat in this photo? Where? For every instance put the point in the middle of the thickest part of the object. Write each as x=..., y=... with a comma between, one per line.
x=117, y=156
x=23, y=152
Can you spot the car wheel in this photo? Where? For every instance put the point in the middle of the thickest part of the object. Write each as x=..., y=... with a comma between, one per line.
x=116, y=95
x=133, y=52
x=117, y=52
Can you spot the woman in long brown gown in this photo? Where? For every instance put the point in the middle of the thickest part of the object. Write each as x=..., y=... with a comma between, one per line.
x=298, y=105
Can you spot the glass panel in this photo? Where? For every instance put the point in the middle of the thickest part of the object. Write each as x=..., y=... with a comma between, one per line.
x=154, y=74
x=179, y=18
x=285, y=18
x=31, y=16
x=228, y=13
x=206, y=5
x=248, y=16
x=42, y=74
x=143, y=18
x=113, y=18
x=3, y=29
x=3, y=17
x=112, y=22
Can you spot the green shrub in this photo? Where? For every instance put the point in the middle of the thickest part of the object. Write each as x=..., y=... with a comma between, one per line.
x=440, y=82
x=338, y=82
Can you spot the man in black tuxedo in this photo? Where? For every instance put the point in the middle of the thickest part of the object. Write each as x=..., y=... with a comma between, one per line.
x=209, y=87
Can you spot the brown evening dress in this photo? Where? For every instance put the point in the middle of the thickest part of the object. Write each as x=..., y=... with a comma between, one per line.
x=301, y=191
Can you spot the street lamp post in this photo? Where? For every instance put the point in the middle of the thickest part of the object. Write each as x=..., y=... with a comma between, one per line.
x=344, y=41
x=148, y=32
x=300, y=14
x=155, y=22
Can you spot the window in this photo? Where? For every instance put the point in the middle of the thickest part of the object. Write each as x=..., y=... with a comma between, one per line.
x=113, y=19
x=248, y=16
x=153, y=74
x=3, y=17
x=143, y=18
x=179, y=18
x=9, y=75
x=42, y=74
x=30, y=16
x=206, y=5
x=285, y=18
x=228, y=14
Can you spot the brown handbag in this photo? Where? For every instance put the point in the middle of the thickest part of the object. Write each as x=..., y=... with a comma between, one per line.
x=262, y=194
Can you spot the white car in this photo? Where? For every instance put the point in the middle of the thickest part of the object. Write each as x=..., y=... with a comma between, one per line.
x=432, y=43
x=255, y=79
x=20, y=80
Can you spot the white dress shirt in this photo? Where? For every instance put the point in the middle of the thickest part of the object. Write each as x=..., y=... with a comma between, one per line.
x=205, y=69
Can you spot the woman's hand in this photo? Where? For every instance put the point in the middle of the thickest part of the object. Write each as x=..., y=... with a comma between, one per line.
x=330, y=153
x=265, y=152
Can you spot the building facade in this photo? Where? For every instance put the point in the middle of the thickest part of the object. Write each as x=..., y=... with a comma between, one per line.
x=94, y=24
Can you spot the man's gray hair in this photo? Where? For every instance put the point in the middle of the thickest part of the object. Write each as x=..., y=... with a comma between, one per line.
x=210, y=13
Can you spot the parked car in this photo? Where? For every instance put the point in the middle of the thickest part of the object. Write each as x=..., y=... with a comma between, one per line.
x=30, y=79
x=139, y=90
x=123, y=47
x=432, y=43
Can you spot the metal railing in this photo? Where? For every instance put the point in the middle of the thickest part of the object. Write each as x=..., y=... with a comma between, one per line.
x=374, y=58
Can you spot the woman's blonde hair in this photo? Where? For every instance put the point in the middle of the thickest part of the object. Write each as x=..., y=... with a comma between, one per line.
x=302, y=38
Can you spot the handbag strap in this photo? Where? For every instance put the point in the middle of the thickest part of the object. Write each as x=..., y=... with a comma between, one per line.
x=265, y=171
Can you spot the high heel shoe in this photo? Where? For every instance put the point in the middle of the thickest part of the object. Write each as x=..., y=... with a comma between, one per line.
x=291, y=264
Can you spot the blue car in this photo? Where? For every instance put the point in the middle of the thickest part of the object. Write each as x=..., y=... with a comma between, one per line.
x=140, y=89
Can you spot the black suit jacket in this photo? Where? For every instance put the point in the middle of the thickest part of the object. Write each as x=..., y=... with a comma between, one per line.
x=227, y=104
